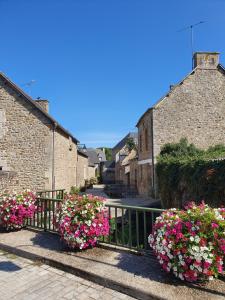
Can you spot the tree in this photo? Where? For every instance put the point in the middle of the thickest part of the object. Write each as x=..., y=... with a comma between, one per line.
x=130, y=144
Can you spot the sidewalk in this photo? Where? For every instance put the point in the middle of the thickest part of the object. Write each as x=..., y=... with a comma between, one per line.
x=24, y=279
x=137, y=276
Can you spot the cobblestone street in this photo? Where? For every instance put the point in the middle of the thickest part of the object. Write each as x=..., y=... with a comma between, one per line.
x=23, y=279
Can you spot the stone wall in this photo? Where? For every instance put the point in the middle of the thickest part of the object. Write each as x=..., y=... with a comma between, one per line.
x=195, y=109
x=25, y=142
x=91, y=172
x=134, y=172
x=145, y=136
x=65, y=161
x=145, y=179
x=82, y=170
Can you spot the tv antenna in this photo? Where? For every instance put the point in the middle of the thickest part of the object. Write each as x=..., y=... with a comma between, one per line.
x=29, y=84
x=191, y=28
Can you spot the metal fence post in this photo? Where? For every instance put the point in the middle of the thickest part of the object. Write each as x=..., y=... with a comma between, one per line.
x=45, y=214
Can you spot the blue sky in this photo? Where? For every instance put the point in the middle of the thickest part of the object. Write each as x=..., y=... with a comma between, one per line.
x=102, y=63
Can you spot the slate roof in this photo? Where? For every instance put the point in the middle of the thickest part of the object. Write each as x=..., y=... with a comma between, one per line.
x=110, y=164
x=92, y=156
x=123, y=142
x=27, y=98
x=82, y=153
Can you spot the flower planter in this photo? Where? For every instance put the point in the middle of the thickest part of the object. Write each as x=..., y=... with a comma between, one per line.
x=15, y=209
x=81, y=220
x=190, y=243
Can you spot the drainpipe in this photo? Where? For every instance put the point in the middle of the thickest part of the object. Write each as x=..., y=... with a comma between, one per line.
x=53, y=155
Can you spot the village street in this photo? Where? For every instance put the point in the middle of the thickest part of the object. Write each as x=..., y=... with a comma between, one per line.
x=98, y=190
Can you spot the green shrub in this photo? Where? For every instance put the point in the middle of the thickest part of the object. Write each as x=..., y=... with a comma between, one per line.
x=93, y=180
x=187, y=173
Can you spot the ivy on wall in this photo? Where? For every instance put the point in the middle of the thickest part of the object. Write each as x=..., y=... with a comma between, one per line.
x=187, y=173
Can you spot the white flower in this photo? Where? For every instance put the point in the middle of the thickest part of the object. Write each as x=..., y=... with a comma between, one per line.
x=197, y=239
x=191, y=238
x=181, y=276
x=211, y=278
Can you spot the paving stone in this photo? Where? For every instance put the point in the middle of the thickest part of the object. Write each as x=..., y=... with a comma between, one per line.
x=35, y=282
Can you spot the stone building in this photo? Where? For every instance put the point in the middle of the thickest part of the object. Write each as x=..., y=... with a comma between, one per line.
x=36, y=152
x=95, y=157
x=130, y=170
x=82, y=168
x=145, y=175
x=194, y=108
x=119, y=153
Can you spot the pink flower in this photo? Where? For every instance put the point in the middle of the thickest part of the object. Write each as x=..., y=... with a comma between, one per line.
x=214, y=225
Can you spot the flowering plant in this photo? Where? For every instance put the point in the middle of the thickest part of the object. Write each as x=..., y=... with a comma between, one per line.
x=81, y=220
x=191, y=242
x=16, y=208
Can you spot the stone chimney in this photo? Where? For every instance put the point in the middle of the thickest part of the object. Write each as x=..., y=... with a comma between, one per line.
x=44, y=104
x=206, y=60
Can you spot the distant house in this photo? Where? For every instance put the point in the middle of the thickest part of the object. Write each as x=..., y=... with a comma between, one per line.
x=83, y=168
x=108, y=172
x=120, y=152
x=130, y=169
x=194, y=108
x=95, y=158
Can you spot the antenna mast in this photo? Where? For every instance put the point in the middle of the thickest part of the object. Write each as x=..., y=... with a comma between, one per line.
x=191, y=27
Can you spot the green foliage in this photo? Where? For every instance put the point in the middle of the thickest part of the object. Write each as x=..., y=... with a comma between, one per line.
x=108, y=153
x=93, y=180
x=180, y=149
x=130, y=144
x=187, y=173
x=74, y=190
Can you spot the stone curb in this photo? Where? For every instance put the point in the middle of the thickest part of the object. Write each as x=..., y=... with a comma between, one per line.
x=108, y=283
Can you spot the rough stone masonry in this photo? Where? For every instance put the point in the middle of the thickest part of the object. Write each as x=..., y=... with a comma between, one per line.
x=35, y=151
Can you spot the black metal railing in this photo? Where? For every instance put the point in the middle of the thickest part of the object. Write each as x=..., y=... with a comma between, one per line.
x=130, y=226
x=45, y=215
x=53, y=194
